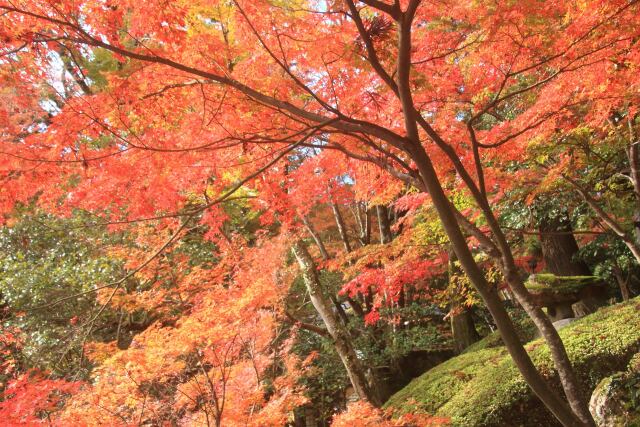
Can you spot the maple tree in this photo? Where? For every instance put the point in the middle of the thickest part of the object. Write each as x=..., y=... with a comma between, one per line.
x=181, y=115
x=364, y=415
x=30, y=398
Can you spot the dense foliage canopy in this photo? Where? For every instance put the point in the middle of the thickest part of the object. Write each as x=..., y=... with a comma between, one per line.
x=251, y=212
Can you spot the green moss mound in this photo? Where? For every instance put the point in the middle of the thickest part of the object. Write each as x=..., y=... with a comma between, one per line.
x=483, y=387
x=524, y=327
x=439, y=385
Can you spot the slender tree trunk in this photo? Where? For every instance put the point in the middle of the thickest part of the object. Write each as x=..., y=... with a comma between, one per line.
x=576, y=399
x=367, y=225
x=577, y=413
x=361, y=215
x=340, y=335
x=567, y=375
x=342, y=229
x=383, y=224
x=630, y=241
x=490, y=296
x=501, y=252
x=622, y=283
x=325, y=256
x=505, y=260
x=316, y=237
x=633, y=153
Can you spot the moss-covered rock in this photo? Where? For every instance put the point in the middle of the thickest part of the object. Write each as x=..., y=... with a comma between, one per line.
x=559, y=293
x=560, y=284
x=484, y=388
x=615, y=400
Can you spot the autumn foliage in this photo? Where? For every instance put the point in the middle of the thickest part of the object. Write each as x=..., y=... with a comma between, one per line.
x=360, y=414
x=199, y=141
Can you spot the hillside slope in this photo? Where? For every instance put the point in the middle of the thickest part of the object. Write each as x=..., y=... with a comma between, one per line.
x=482, y=386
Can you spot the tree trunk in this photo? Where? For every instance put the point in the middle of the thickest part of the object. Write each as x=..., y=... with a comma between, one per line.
x=559, y=247
x=367, y=226
x=559, y=250
x=489, y=294
x=339, y=308
x=577, y=412
x=463, y=329
x=576, y=399
x=501, y=252
x=633, y=153
x=340, y=335
x=362, y=217
x=631, y=241
x=325, y=256
x=316, y=237
x=622, y=283
x=342, y=229
x=383, y=224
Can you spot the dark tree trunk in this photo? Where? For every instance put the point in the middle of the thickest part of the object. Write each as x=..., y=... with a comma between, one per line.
x=623, y=283
x=367, y=226
x=633, y=154
x=559, y=247
x=463, y=328
x=339, y=309
x=489, y=294
x=559, y=250
x=342, y=229
x=356, y=307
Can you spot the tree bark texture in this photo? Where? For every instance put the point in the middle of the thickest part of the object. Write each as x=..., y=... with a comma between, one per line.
x=339, y=334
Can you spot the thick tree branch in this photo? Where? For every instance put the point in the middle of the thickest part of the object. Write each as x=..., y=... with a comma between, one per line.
x=307, y=326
